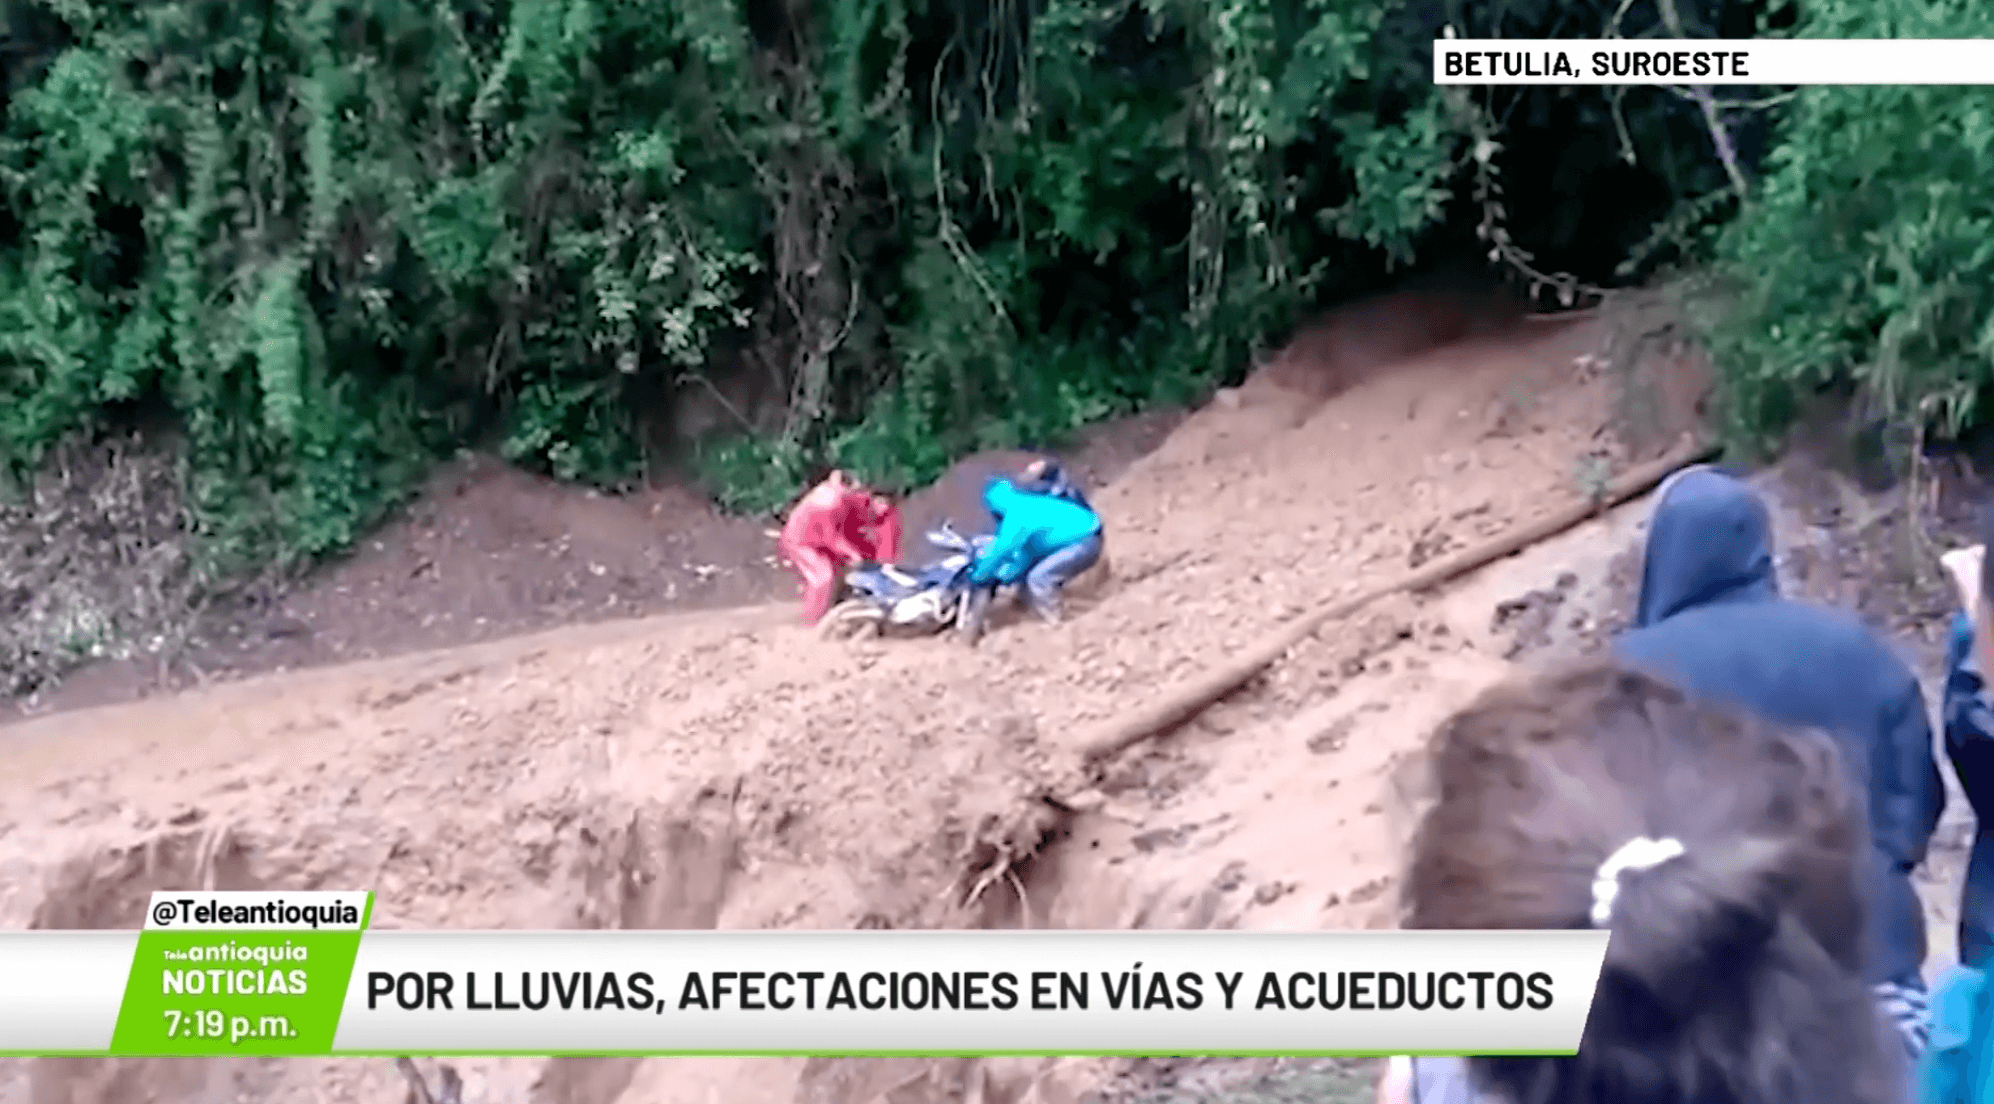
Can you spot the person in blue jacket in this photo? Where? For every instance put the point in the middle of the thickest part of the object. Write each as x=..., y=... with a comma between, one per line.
x=1958, y=1067
x=1969, y=739
x=1711, y=619
x=1043, y=541
x=1049, y=477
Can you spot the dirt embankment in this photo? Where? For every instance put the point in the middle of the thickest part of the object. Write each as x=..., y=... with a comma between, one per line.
x=485, y=553
x=729, y=770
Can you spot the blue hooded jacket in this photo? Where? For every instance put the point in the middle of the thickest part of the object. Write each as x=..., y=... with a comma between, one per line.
x=1030, y=527
x=1711, y=620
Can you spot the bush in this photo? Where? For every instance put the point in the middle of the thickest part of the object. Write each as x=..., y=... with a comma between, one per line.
x=330, y=238
x=1864, y=262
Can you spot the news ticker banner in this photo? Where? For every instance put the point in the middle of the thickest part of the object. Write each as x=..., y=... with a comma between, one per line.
x=1692, y=61
x=301, y=974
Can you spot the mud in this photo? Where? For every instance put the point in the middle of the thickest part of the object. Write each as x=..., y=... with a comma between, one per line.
x=729, y=770
x=486, y=552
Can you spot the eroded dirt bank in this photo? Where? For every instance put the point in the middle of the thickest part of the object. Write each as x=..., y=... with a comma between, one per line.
x=730, y=770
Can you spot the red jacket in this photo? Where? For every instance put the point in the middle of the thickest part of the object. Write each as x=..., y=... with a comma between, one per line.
x=874, y=525
x=851, y=527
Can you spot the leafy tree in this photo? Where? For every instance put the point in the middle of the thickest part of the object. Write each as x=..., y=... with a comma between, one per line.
x=330, y=238
x=1864, y=261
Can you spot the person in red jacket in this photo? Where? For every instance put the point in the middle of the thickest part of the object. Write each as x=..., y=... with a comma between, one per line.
x=874, y=524
x=839, y=523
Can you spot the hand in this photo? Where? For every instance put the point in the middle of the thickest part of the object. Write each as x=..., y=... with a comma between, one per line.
x=1963, y=564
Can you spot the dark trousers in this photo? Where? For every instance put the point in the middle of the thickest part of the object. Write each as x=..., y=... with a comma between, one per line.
x=1051, y=574
x=1976, y=902
x=1973, y=760
x=1897, y=926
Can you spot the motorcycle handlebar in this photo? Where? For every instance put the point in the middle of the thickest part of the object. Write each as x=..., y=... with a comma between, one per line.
x=945, y=536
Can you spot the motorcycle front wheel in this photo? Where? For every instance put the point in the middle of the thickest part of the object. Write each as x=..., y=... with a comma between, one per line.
x=970, y=611
x=850, y=620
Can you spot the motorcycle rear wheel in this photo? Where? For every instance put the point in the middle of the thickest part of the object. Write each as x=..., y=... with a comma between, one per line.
x=852, y=619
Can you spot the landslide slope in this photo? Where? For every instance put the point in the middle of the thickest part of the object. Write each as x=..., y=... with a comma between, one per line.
x=731, y=770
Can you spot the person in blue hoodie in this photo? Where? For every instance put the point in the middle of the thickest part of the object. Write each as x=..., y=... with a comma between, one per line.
x=1711, y=619
x=1042, y=541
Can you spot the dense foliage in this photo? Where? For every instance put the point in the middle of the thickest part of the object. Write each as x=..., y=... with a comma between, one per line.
x=331, y=236
x=1864, y=262
x=327, y=239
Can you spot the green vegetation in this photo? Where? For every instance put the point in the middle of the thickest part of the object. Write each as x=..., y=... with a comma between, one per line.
x=327, y=240
x=1864, y=263
x=330, y=238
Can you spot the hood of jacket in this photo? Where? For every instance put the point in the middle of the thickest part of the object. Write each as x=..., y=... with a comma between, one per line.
x=1709, y=541
x=1000, y=496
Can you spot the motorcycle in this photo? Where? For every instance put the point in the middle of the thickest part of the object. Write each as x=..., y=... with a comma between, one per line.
x=926, y=600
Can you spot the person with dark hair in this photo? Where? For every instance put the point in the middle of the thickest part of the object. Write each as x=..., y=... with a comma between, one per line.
x=1041, y=541
x=873, y=524
x=1711, y=620
x=1048, y=476
x=836, y=524
x=1722, y=852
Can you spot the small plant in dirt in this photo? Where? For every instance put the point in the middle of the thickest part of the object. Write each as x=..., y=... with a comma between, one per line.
x=1594, y=474
x=94, y=562
x=1293, y=1081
